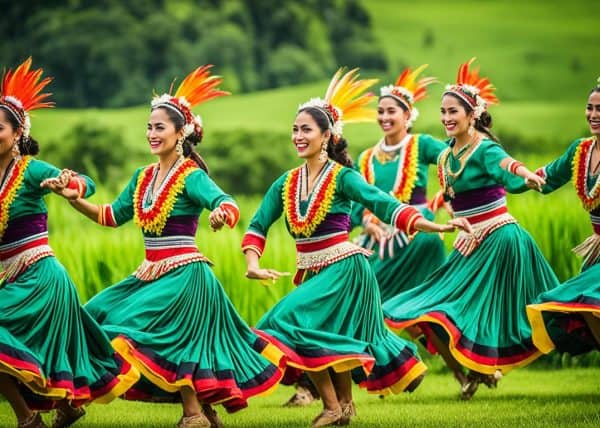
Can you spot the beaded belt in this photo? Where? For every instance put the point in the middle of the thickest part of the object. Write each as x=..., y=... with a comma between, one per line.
x=590, y=248
x=17, y=256
x=317, y=252
x=484, y=220
x=166, y=253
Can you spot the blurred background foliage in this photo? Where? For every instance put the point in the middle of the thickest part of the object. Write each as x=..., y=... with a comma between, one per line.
x=113, y=53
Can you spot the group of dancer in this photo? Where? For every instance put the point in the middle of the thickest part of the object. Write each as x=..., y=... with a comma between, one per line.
x=168, y=332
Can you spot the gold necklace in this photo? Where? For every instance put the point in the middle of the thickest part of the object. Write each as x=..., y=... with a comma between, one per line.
x=462, y=159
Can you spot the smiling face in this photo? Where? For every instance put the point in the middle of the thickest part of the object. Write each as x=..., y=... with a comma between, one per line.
x=454, y=116
x=307, y=136
x=9, y=136
x=592, y=113
x=161, y=133
x=392, y=119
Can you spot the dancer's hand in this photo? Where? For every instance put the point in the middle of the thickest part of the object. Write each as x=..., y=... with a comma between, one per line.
x=59, y=185
x=217, y=218
x=534, y=181
x=461, y=223
x=265, y=274
x=375, y=231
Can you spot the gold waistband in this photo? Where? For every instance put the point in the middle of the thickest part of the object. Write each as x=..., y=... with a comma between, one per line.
x=329, y=255
x=466, y=243
x=17, y=264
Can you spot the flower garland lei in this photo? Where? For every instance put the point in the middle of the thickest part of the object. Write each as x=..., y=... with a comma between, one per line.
x=406, y=177
x=9, y=190
x=152, y=219
x=581, y=162
x=319, y=202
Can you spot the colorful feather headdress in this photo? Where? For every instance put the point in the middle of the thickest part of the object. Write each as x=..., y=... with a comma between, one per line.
x=408, y=90
x=21, y=93
x=345, y=101
x=476, y=91
x=198, y=87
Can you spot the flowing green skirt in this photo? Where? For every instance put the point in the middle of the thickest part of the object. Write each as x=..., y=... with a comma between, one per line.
x=477, y=303
x=334, y=320
x=557, y=319
x=182, y=330
x=407, y=266
x=51, y=345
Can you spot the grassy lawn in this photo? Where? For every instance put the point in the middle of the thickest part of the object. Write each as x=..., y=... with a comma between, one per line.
x=532, y=398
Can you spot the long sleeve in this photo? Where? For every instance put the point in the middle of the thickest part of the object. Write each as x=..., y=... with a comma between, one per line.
x=354, y=187
x=558, y=172
x=121, y=210
x=268, y=212
x=40, y=171
x=430, y=149
x=205, y=193
x=494, y=155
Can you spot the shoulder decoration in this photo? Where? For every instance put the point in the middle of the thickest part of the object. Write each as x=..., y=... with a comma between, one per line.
x=149, y=213
x=319, y=202
x=10, y=187
x=590, y=198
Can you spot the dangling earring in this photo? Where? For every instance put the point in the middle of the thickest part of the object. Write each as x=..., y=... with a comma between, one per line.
x=179, y=147
x=471, y=129
x=323, y=154
x=16, y=150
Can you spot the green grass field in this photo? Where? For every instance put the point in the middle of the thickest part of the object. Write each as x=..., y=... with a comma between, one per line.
x=525, y=398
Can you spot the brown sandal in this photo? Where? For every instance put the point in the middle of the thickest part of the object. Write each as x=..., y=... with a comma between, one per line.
x=211, y=415
x=348, y=412
x=195, y=421
x=63, y=419
x=33, y=421
x=303, y=397
x=327, y=418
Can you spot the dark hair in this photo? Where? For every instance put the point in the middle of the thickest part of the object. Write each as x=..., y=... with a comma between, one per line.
x=596, y=89
x=400, y=104
x=27, y=145
x=483, y=124
x=336, y=151
x=190, y=141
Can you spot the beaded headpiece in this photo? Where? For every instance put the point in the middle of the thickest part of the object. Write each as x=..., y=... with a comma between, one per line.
x=476, y=91
x=21, y=93
x=199, y=86
x=345, y=101
x=408, y=90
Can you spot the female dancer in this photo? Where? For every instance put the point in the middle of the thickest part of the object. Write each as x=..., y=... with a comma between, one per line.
x=568, y=317
x=399, y=165
x=332, y=323
x=171, y=319
x=52, y=353
x=472, y=309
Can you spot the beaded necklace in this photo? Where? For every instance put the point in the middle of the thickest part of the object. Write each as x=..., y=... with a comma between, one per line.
x=445, y=173
x=319, y=201
x=150, y=213
x=590, y=198
x=406, y=174
x=13, y=178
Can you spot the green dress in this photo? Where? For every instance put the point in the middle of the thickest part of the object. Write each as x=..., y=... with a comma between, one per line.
x=48, y=342
x=556, y=317
x=476, y=300
x=333, y=319
x=171, y=319
x=400, y=264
